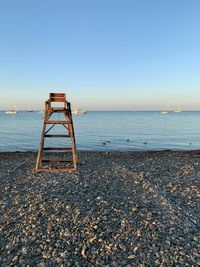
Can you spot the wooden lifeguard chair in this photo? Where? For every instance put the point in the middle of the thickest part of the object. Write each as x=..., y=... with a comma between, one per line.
x=57, y=165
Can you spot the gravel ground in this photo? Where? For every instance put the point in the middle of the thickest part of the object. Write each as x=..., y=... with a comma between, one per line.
x=109, y=213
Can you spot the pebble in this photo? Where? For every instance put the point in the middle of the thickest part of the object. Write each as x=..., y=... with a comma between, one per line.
x=131, y=257
x=46, y=255
x=91, y=217
x=24, y=250
x=122, y=247
x=135, y=208
x=21, y=261
x=15, y=259
x=41, y=264
x=83, y=252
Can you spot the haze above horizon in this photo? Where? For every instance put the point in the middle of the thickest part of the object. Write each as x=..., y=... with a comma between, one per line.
x=106, y=55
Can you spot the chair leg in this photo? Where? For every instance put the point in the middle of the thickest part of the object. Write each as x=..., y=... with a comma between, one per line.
x=74, y=153
x=69, y=125
x=40, y=152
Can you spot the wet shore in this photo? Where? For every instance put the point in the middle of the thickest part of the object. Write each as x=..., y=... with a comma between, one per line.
x=119, y=209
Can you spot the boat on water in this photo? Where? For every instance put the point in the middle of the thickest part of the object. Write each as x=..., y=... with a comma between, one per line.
x=30, y=109
x=164, y=112
x=12, y=112
x=178, y=109
x=78, y=112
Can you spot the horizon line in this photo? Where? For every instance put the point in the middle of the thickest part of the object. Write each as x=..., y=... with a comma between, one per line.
x=114, y=110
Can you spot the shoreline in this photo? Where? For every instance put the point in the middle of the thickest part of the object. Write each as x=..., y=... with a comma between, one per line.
x=105, y=214
x=113, y=151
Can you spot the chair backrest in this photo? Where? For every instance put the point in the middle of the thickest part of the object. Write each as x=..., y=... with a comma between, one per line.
x=57, y=97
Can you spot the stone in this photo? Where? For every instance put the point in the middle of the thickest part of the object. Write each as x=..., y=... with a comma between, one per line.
x=122, y=246
x=15, y=259
x=135, y=208
x=195, y=238
x=131, y=257
x=24, y=250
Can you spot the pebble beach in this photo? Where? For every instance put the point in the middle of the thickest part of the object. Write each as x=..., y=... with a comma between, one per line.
x=118, y=209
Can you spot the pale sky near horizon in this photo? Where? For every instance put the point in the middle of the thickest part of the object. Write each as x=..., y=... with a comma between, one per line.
x=105, y=54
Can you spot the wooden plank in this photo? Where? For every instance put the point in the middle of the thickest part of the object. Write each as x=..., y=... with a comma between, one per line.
x=57, y=160
x=57, y=135
x=58, y=148
x=57, y=122
x=68, y=170
x=57, y=109
x=40, y=152
x=57, y=99
x=57, y=94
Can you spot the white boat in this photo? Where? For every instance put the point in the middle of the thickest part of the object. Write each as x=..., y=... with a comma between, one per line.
x=78, y=112
x=12, y=111
x=164, y=112
x=177, y=110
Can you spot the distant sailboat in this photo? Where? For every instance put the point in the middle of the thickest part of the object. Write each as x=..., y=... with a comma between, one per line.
x=78, y=111
x=177, y=110
x=29, y=110
x=11, y=111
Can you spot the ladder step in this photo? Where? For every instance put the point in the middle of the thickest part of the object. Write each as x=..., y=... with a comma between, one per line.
x=57, y=148
x=57, y=170
x=57, y=135
x=56, y=160
x=58, y=109
x=57, y=122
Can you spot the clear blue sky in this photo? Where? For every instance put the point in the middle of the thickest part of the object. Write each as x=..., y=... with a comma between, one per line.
x=106, y=54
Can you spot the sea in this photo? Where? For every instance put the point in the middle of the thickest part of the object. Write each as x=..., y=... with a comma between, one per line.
x=106, y=131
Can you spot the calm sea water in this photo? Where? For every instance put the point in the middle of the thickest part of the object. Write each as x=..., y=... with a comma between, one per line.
x=107, y=131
